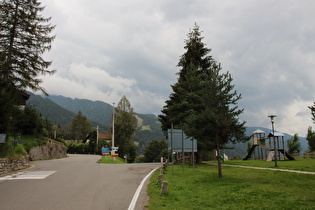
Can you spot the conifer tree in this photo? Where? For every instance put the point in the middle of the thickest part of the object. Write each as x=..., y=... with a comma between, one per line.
x=204, y=102
x=24, y=37
x=312, y=108
x=310, y=139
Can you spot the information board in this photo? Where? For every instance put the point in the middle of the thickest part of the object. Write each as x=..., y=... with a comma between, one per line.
x=178, y=141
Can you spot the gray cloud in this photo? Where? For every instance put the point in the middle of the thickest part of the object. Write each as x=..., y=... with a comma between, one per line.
x=107, y=49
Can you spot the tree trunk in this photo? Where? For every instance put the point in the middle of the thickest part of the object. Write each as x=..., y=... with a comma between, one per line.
x=199, y=154
x=218, y=156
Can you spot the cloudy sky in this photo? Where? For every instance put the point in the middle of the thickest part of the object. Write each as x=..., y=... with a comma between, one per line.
x=105, y=49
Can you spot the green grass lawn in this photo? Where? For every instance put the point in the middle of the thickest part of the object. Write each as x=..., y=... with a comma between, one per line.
x=240, y=188
x=109, y=160
x=299, y=164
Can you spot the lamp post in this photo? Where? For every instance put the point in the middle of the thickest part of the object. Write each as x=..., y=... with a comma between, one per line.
x=96, y=146
x=274, y=139
x=113, y=134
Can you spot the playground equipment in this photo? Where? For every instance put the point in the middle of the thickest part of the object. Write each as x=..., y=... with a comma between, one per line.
x=263, y=147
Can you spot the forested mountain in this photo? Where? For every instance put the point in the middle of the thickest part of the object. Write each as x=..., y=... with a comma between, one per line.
x=96, y=111
x=50, y=110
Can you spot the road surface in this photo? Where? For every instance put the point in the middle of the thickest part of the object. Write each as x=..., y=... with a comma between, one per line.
x=76, y=182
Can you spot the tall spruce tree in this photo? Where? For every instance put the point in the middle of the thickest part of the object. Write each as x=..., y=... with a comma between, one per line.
x=24, y=37
x=310, y=139
x=204, y=102
x=312, y=108
x=125, y=126
x=195, y=60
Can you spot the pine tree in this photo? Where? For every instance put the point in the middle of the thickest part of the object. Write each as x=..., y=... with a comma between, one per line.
x=24, y=37
x=183, y=101
x=312, y=108
x=311, y=139
x=204, y=102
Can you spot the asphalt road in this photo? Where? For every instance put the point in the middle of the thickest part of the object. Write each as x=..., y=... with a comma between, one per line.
x=76, y=182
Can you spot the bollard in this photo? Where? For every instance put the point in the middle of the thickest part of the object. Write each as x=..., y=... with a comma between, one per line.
x=164, y=166
x=160, y=178
x=162, y=171
x=167, y=162
x=164, y=187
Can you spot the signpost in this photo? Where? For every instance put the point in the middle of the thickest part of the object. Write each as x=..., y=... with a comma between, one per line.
x=105, y=151
x=114, y=151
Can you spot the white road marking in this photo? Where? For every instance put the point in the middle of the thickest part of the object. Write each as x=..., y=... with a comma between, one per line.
x=28, y=175
x=137, y=193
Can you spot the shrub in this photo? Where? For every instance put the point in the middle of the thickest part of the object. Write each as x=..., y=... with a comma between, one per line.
x=20, y=150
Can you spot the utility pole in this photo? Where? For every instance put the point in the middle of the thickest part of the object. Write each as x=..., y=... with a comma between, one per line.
x=96, y=139
x=113, y=126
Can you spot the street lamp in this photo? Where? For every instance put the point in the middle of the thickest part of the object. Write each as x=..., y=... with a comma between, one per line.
x=113, y=126
x=113, y=134
x=274, y=139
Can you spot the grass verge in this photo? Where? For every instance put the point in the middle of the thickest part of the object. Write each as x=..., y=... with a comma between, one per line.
x=240, y=188
x=109, y=160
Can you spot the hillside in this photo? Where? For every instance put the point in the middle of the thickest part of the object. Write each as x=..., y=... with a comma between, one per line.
x=50, y=110
x=96, y=111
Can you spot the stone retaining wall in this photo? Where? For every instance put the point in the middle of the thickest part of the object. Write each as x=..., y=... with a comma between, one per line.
x=51, y=150
x=12, y=164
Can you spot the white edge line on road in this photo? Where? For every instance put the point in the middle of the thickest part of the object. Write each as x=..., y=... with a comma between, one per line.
x=137, y=193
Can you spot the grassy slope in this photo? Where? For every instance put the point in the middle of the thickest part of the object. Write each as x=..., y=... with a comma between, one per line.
x=239, y=188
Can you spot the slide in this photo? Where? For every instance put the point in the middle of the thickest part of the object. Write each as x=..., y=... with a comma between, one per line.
x=286, y=154
x=250, y=152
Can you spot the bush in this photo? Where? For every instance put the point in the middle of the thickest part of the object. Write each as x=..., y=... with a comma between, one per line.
x=20, y=150
x=30, y=142
x=7, y=150
x=80, y=148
